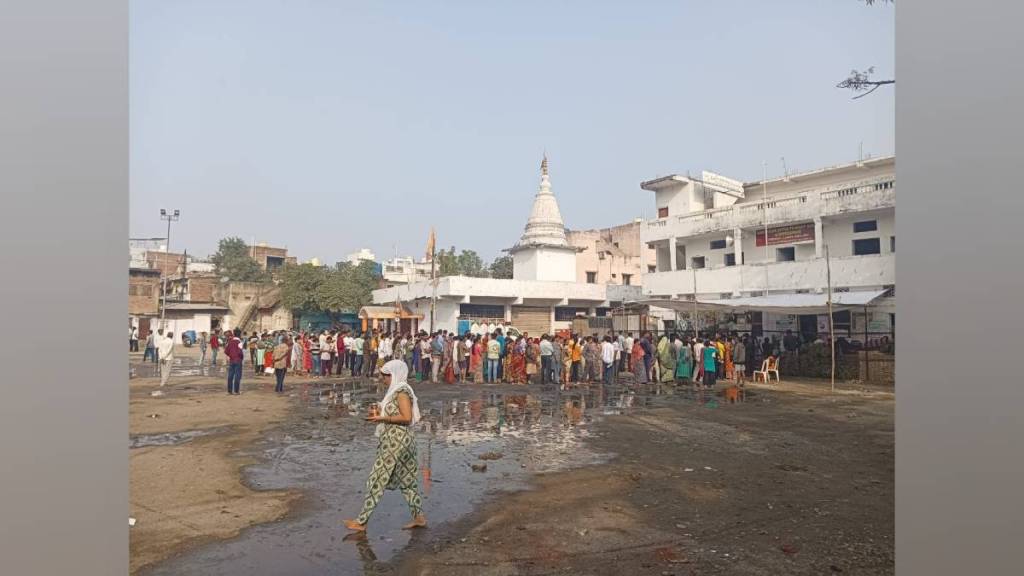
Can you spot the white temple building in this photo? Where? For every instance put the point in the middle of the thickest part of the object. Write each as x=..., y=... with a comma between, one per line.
x=543, y=295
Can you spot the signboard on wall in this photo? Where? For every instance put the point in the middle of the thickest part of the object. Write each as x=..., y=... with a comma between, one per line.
x=792, y=234
x=720, y=183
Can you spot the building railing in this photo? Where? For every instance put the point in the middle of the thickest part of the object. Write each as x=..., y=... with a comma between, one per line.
x=838, y=199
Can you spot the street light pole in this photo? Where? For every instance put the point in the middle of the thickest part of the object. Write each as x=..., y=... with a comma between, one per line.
x=169, y=217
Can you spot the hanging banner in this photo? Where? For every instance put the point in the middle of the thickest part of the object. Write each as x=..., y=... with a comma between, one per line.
x=793, y=234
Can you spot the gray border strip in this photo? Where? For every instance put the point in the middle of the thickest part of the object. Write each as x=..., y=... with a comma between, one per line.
x=64, y=181
x=960, y=78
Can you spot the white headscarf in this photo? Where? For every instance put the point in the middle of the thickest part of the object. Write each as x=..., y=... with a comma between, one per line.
x=399, y=372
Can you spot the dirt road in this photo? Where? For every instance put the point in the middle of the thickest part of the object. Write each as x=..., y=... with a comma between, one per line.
x=793, y=481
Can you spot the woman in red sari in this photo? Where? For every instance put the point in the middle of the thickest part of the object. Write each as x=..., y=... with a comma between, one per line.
x=268, y=359
x=307, y=355
x=516, y=363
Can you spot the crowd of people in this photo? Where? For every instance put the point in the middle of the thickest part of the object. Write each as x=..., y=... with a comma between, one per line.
x=443, y=356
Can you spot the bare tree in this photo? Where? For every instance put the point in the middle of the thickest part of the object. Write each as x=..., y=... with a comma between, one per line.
x=861, y=81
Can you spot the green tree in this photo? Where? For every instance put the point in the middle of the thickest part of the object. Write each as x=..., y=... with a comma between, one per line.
x=234, y=262
x=347, y=288
x=447, y=262
x=300, y=285
x=470, y=264
x=501, y=267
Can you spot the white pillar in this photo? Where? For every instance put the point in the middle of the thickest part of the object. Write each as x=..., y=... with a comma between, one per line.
x=672, y=253
x=737, y=246
x=819, y=242
x=508, y=313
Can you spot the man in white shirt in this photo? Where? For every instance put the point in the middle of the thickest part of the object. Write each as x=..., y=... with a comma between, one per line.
x=608, y=357
x=627, y=350
x=545, y=358
x=350, y=353
x=166, y=348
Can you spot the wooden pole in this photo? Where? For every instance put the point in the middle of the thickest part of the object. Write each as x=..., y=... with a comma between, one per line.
x=831, y=330
x=696, y=334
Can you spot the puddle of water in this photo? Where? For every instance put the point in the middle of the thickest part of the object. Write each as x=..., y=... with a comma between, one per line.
x=171, y=438
x=328, y=450
x=181, y=367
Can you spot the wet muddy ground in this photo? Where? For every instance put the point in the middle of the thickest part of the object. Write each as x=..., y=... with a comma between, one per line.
x=592, y=480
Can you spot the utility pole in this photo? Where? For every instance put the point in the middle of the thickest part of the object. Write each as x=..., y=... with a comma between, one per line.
x=696, y=334
x=831, y=330
x=169, y=217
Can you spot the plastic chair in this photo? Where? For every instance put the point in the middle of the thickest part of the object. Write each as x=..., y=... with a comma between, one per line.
x=765, y=366
x=773, y=368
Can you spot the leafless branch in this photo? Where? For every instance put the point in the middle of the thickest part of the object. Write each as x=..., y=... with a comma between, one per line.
x=862, y=82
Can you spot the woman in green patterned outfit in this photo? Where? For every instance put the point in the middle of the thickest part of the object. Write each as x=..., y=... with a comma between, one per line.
x=395, y=467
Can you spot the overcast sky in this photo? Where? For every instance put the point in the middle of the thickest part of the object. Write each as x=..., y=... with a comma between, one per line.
x=327, y=126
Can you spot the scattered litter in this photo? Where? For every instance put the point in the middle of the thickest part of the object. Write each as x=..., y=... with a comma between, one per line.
x=479, y=467
x=789, y=549
x=491, y=456
x=153, y=416
x=709, y=468
x=156, y=393
x=131, y=521
x=688, y=470
x=835, y=568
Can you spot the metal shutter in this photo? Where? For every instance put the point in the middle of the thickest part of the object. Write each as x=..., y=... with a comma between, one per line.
x=534, y=320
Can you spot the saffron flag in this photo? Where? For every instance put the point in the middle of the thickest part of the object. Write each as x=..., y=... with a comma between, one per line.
x=430, y=244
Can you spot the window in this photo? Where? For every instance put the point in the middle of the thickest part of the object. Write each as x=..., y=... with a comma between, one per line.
x=652, y=269
x=626, y=279
x=890, y=291
x=663, y=212
x=591, y=277
x=725, y=296
x=787, y=254
x=718, y=244
x=567, y=314
x=865, y=226
x=730, y=259
x=892, y=244
x=616, y=244
x=482, y=310
x=698, y=262
x=865, y=246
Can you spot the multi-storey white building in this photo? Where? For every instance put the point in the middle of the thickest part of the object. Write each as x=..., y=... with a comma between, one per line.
x=406, y=270
x=711, y=242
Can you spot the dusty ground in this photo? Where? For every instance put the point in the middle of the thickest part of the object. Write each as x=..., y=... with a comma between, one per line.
x=793, y=481
x=186, y=494
x=796, y=480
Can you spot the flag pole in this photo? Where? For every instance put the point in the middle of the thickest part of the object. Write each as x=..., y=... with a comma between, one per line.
x=433, y=278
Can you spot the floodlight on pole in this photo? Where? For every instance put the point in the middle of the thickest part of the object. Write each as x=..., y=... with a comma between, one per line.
x=169, y=217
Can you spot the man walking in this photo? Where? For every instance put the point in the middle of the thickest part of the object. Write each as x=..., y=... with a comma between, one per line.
x=133, y=339
x=545, y=358
x=282, y=352
x=166, y=352
x=608, y=358
x=203, y=343
x=493, y=357
x=214, y=347
x=357, y=359
x=557, y=359
x=436, y=351
x=150, y=347
x=233, y=350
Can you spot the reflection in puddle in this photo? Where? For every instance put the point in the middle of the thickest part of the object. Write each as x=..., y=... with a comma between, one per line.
x=327, y=451
x=171, y=438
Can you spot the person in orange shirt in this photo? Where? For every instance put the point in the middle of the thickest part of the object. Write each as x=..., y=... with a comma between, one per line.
x=576, y=357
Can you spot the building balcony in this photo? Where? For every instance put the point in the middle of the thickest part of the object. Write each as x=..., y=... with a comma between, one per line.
x=849, y=272
x=875, y=194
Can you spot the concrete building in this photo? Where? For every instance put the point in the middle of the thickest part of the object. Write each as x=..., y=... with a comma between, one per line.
x=405, y=270
x=612, y=255
x=711, y=244
x=143, y=299
x=543, y=295
x=363, y=254
x=270, y=258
